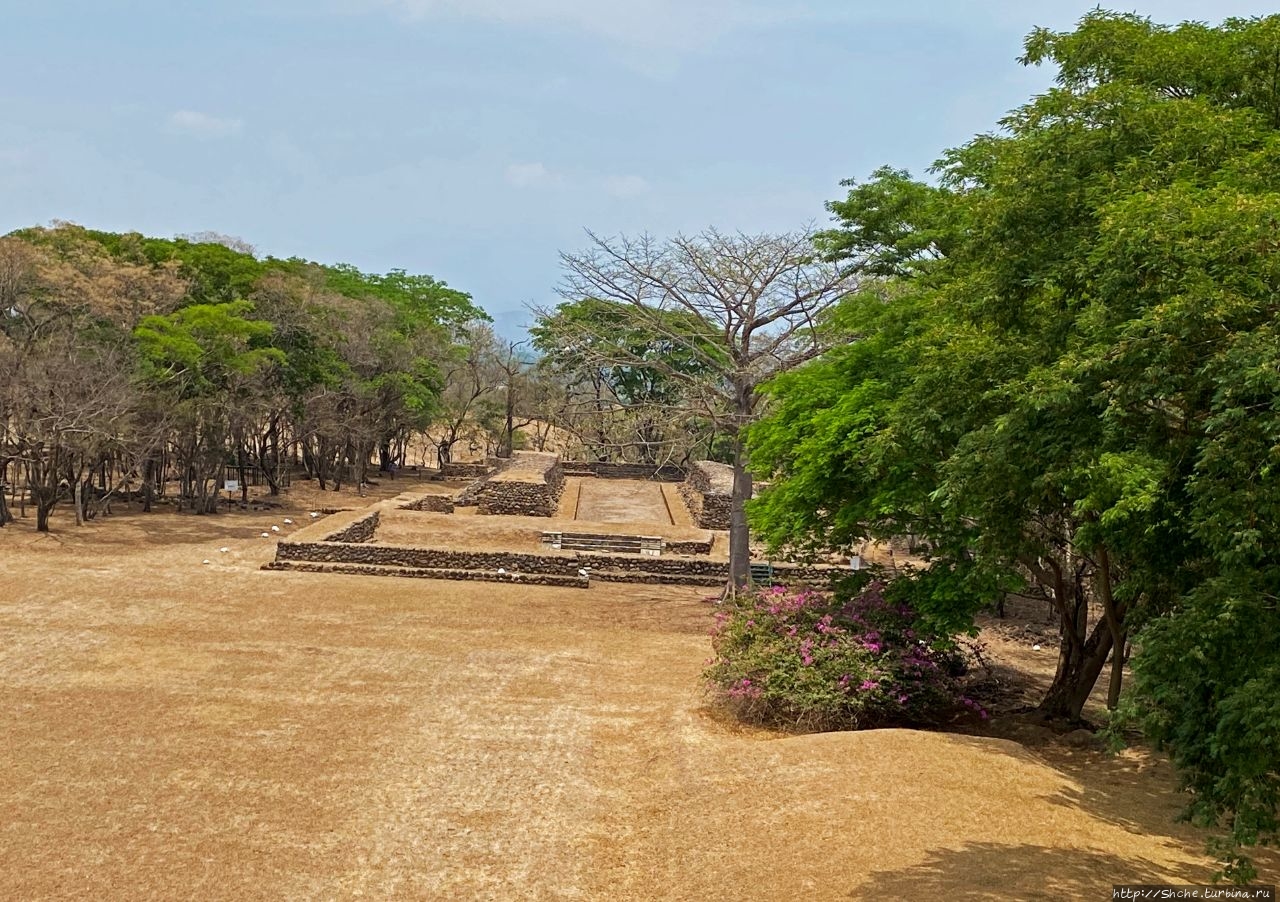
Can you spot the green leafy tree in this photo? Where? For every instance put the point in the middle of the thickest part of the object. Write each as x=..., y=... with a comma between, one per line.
x=625, y=381
x=1068, y=383
x=209, y=358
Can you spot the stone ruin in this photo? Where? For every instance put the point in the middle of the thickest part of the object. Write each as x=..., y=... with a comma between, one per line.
x=359, y=530
x=436, y=504
x=469, y=470
x=708, y=493
x=529, y=486
x=610, y=470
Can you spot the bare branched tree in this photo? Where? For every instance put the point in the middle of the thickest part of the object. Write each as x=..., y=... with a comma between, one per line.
x=761, y=298
x=233, y=242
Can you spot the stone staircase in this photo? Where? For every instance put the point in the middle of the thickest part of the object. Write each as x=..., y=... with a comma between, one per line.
x=618, y=544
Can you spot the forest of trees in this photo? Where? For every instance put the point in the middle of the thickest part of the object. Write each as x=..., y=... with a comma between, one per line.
x=162, y=367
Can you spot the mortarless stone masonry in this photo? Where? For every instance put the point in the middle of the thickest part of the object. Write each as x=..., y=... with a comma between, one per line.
x=603, y=470
x=693, y=546
x=708, y=493
x=427, y=558
x=436, y=504
x=529, y=486
x=361, y=530
x=465, y=470
x=575, y=580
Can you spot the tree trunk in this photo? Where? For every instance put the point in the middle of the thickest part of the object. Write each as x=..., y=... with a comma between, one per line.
x=148, y=483
x=240, y=471
x=46, y=499
x=739, y=534
x=508, y=439
x=1078, y=669
x=273, y=451
x=309, y=464
x=1117, y=672
x=1114, y=614
x=5, y=516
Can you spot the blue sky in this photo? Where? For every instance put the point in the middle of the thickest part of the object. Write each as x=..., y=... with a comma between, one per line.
x=474, y=139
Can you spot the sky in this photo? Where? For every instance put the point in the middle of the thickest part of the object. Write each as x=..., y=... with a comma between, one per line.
x=474, y=140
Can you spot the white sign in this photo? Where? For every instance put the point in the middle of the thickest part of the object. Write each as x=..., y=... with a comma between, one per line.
x=232, y=485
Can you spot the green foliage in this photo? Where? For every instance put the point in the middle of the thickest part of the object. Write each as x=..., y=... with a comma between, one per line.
x=243, y=357
x=1071, y=368
x=894, y=225
x=206, y=346
x=628, y=377
x=216, y=273
x=420, y=301
x=640, y=362
x=1205, y=685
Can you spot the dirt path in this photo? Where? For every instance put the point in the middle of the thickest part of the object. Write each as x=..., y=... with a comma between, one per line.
x=177, y=729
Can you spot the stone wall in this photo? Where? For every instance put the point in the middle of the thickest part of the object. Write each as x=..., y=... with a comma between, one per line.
x=426, y=558
x=558, y=569
x=436, y=504
x=684, y=567
x=470, y=496
x=361, y=530
x=708, y=493
x=604, y=470
x=574, y=580
x=690, y=546
x=475, y=470
x=529, y=486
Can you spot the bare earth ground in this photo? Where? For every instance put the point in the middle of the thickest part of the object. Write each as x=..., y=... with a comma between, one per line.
x=623, y=501
x=492, y=532
x=181, y=730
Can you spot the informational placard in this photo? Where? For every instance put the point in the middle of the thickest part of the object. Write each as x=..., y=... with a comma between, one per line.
x=231, y=485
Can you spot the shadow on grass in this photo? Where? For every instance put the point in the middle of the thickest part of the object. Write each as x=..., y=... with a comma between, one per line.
x=993, y=871
x=1136, y=791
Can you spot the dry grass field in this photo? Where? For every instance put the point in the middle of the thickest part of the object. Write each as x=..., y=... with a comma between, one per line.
x=181, y=730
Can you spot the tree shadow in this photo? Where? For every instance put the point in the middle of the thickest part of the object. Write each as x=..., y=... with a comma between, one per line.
x=994, y=871
x=1136, y=791
x=1130, y=792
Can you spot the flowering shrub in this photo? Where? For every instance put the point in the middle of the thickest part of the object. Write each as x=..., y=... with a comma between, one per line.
x=805, y=659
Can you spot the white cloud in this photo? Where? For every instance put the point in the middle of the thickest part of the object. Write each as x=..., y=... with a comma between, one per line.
x=655, y=24
x=530, y=175
x=626, y=185
x=204, y=125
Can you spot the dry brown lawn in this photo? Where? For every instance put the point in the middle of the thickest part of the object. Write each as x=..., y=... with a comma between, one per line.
x=180, y=730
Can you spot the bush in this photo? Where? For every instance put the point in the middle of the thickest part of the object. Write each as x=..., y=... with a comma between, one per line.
x=809, y=660
x=1206, y=687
